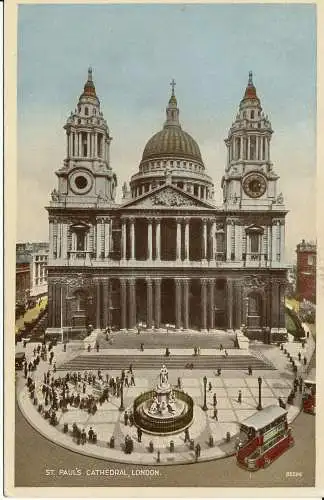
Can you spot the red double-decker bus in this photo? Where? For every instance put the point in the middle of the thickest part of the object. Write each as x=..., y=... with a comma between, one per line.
x=309, y=396
x=263, y=437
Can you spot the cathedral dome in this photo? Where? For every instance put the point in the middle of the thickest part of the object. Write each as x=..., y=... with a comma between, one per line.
x=172, y=141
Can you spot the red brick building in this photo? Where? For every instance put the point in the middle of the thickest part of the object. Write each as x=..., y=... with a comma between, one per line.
x=306, y=271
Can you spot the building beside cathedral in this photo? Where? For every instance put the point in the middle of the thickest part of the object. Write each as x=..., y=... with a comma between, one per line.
x=167, y=254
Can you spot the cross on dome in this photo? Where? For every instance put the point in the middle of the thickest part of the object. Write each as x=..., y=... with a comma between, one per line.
x=90, y=74
x=250, y=78
x=173, y=84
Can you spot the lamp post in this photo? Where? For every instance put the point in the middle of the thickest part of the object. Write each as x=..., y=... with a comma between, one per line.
x=259, y=407
x=205, y=391
x=122, y=408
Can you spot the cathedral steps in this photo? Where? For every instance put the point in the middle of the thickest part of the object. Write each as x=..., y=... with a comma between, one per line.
x=149, y=362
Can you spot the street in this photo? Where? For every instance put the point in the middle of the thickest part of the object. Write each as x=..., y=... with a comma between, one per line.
x=35, y=454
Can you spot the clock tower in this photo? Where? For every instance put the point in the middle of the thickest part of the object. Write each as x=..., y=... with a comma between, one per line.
x=250, y=182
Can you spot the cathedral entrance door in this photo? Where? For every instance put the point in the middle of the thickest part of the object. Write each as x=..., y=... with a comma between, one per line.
x=254, y=315
x=168, y=301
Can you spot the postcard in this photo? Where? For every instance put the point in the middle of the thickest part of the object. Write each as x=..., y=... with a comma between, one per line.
x=161, y=196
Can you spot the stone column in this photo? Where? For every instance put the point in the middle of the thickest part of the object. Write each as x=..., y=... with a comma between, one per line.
x=187, y=237
x=132, y=238
x=274, y=242
x=98, y=304
x=282, y=242
x=186, y=284
x=238, y=242
x=157, y=305
x=107, y=238
x=149, y=239
x=213, y=241
x=282, y=314
x=88, y=145
x=123, y=255
x=229, y=304
x=75, y=138
x=96, y=144
x=211, y=305
x=149, y=295
x=178, y=303
x=158, y=239
x=98, y=239
x=123, y=301
x=238, y=304
x=204, y=252
x=59, y=229
x=64, y=240
x=249, y=148
x=178, y=241
x=228, y=240
x=241, y=147
x=132, y=303
x=51, y=239
x=257, y=141
x=105, y=303
x=203, y=282
x=275, y=301
x=50, y=304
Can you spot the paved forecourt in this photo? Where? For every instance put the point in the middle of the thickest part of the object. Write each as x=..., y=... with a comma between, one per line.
x=108, y=421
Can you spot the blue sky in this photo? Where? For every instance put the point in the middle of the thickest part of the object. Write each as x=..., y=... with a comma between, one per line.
x=135, y=50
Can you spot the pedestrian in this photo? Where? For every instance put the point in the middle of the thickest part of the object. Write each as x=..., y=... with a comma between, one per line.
x=210, y=386
x=187, y=437
x=89, y=348
x=226, y=353
x=305, y=360
x=132, y=382
x=139, y=434
x=216, y=414
x=307, y=334
x=142, y=347
x=126, y=381
x=197, y=451
x=250, y=370
x=54, y=367
x=167, y=351
x=97, y=346
x=64, y=347
x=221, y=347
x=198, y=351
x=90, y=434
x=299, y=356
x=131, y=420
x=301, y=386
x=83, y=437
x=138, y=330
x=130, y=368
x=195, y=350
x=179, y=382
x=219, y=371
x=214, y=399
x=239, y=397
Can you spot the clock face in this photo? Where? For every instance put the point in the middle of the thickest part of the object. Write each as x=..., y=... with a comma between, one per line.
x=81, y=181
x=254, y=185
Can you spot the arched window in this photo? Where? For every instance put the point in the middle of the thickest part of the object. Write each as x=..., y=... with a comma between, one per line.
x=252, y=115
x=86, y=110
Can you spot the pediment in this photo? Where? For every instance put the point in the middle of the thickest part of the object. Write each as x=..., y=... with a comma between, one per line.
x=167, y=197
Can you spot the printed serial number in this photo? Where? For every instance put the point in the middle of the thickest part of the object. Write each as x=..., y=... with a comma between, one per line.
x=294, y=474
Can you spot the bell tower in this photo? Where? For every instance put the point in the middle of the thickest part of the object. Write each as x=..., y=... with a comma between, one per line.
x=250, y=182
x=86, y=174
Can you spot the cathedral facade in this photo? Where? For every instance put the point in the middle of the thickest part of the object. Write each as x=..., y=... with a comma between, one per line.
x=167, y=255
